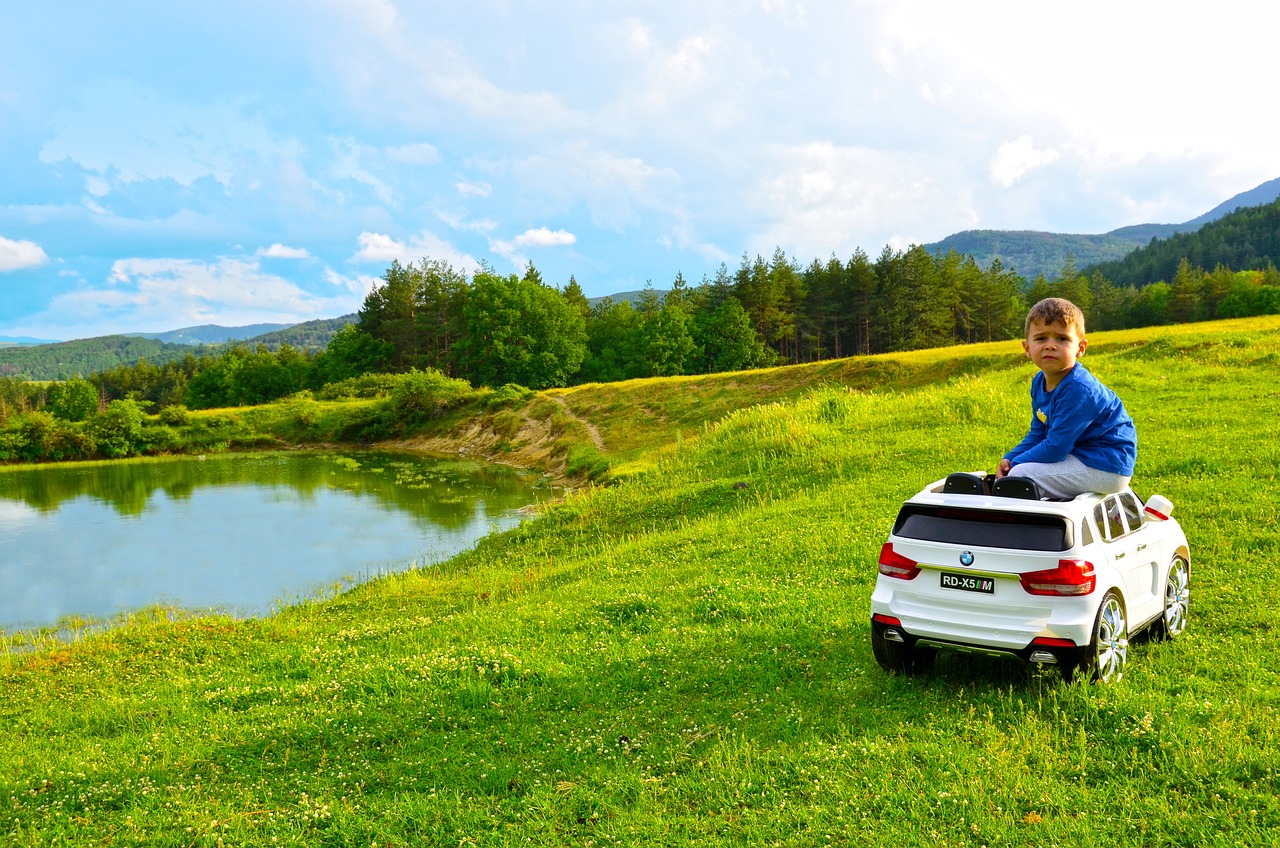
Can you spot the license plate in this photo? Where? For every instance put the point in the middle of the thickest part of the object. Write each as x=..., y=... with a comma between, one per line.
x=968, y=583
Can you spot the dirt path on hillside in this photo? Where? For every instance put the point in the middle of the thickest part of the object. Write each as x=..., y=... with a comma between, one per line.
x=587, y=425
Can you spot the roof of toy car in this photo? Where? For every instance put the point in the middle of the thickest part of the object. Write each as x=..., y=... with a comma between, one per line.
x=933, y=495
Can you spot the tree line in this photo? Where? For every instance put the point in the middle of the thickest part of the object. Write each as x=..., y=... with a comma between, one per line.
x=1247, y=239
x=495, y=330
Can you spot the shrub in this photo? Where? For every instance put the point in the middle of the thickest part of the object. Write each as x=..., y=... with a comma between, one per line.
x=118, y=429
x=422, y=395
x=174, y=416
x=70, y=441
x=35, y=436
x=74, y=400
x=358, y=388
x=159, y=438
x=508, y=395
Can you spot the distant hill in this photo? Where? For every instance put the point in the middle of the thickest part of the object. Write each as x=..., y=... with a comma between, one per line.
x=310, y=335
x=1031, y=253
x=5, y=341
x=632, y=297
x=63, y=360
x=212, y=333
x=1247, y=239
x=82, y=357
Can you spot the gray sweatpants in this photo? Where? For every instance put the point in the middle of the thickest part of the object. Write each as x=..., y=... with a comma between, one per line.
x=1069, y=478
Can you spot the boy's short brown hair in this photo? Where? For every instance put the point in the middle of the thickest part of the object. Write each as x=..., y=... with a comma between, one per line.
x=1055, y=310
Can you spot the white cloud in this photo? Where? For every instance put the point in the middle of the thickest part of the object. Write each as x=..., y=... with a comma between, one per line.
x=280, y=251
x=160, y=139
x=469, y=189
x=380, y=247
x=17, y=255
x=820, y=198
x=162, y=294
x=513, y=251
x=1017, y=158
x=544, y=237
x=614, y=188
x=349, y=165
x=360, y=284
x=414, y=154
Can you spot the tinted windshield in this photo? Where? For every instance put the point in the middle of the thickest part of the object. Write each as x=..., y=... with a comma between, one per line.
x=984, y=528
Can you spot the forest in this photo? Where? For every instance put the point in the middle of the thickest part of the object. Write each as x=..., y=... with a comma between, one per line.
x=1247, y=239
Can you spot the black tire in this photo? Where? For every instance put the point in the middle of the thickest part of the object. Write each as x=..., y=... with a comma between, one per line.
x=1108, y=653
x=1177, y=596
x=898, y=657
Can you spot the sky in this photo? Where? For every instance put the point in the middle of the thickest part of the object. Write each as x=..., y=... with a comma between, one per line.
x=167, y=165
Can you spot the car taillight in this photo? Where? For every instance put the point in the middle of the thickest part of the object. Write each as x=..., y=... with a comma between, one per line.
x=1070, y=577
x=894, y=564
x=1052, y=642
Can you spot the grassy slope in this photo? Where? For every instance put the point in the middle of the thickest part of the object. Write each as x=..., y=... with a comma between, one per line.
x=683, y=658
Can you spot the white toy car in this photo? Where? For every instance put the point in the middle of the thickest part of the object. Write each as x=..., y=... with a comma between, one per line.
x=976, y=564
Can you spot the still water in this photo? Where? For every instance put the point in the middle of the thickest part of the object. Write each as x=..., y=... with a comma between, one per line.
x=236, y=533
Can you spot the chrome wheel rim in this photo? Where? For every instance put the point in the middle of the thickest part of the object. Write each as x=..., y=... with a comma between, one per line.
x=1112, y=640
x=1177, y=593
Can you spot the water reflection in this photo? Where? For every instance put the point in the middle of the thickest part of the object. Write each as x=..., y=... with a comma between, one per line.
x=233, y=532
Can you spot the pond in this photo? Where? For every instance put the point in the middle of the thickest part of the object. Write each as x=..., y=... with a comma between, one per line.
x=241, y=534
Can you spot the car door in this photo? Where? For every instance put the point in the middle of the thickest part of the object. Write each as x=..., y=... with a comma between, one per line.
x=1125, y=558
x=1146, y=599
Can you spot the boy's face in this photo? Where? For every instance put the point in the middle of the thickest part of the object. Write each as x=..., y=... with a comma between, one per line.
x=1054, y=349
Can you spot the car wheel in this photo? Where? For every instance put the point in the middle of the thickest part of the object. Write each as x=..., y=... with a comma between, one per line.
x=1177, y=595
x=898, y=657
x=1109, y=650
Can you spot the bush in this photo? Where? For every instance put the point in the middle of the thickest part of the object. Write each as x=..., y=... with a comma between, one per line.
x=118, y=429
x=422, y=395
x=174, y=416
x=360, y=388
x=370, y=424
x=509, y=395
x=160, y=438
x=74, y=400
x=70, y=441
x=35, y=436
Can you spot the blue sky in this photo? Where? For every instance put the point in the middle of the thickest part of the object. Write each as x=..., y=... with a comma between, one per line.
x=164, y=165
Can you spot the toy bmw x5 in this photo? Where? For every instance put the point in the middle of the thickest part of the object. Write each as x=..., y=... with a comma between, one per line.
x=990, y=566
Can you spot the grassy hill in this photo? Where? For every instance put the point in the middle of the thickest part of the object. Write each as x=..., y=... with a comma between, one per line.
x=683, y=657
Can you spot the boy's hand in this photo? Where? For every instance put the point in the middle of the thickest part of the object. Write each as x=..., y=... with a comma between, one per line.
x=1005, y=467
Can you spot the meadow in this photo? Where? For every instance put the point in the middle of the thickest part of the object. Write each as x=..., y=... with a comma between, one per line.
x=682, y=657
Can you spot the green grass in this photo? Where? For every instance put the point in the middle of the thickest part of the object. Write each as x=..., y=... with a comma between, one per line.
x=683, y=657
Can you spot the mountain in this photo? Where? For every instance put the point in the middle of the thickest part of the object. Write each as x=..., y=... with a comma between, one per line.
x=1031, y=253
x=61, y=360
x=211, y=333
x=635, y=298
x=22, y=340
x=1246, y=239
x=309, y=335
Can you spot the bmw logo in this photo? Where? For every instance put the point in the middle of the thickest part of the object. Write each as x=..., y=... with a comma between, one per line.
x=966, y=558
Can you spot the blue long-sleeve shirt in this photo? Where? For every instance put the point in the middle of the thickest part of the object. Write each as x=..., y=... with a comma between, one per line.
x=1082, y=417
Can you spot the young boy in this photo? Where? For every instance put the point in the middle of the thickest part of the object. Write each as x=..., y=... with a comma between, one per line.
x=1081, y=438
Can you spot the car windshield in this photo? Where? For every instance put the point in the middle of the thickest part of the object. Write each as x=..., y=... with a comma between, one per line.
x=984, y=528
